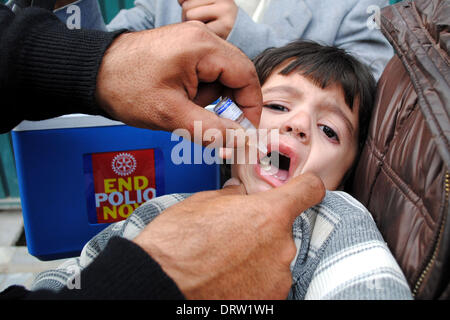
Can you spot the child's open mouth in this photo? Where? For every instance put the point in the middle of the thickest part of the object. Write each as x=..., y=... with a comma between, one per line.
x=275, y=161
x=277, y=166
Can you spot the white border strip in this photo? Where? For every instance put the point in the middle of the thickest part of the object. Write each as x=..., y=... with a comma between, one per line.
x=77, y=120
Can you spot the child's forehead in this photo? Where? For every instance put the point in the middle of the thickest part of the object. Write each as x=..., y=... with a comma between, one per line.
x=296, y=83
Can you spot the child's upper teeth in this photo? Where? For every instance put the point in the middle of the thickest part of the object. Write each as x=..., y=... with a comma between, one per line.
x=265, y=163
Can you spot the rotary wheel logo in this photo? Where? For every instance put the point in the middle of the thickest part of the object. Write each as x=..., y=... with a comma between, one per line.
x=123, y=164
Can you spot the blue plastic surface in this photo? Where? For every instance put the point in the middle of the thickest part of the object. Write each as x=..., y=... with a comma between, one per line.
x=53, y=188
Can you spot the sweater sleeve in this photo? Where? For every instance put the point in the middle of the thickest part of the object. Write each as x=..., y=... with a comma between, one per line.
x=47, y=70
x=122, y=271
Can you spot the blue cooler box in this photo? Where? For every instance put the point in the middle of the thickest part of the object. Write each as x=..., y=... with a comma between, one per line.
x=79, y=173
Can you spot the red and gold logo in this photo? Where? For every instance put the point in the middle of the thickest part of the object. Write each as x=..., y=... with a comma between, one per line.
x=121, y=182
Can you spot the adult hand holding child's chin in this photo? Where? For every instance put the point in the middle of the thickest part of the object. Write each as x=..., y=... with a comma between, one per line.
x=225, y=244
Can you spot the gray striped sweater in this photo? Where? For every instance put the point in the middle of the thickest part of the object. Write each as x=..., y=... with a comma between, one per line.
x=340, y=252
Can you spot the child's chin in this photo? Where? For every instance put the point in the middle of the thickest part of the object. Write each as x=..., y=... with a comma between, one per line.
x=257, y=187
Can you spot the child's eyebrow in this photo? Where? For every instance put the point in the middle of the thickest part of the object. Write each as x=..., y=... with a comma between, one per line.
x=287, y=89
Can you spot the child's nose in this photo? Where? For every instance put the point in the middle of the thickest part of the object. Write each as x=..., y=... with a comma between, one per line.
x=298, y=125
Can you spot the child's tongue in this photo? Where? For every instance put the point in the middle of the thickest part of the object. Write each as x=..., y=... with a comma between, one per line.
x=275, y=172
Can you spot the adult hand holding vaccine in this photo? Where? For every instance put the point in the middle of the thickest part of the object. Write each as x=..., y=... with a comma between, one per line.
x=186, y=68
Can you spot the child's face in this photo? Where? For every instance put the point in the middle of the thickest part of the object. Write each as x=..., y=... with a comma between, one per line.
x=317, y=130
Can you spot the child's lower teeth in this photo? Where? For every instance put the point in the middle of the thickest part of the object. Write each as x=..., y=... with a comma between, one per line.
x=282, y=175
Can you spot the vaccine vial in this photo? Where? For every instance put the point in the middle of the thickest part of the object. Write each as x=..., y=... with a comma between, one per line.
x=226, y=108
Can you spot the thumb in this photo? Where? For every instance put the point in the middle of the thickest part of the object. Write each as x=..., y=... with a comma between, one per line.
x=297, y=195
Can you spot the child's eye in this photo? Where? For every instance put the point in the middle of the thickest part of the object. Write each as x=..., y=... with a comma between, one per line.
x=330, y=133
x=276, y=107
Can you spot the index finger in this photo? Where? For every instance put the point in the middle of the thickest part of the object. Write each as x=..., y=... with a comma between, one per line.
x=234, y=70
x=250, y=101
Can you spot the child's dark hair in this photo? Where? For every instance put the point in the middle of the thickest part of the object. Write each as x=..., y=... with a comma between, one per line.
x=324, y=66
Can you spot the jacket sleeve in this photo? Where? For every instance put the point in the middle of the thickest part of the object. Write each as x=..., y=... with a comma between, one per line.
x=354, y=30
x=140, y=17
x=47, y=70
x=252, y=37
x=360, y=36
x=122, y=271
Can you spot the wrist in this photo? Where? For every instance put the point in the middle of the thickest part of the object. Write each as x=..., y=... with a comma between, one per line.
x=109, y=76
